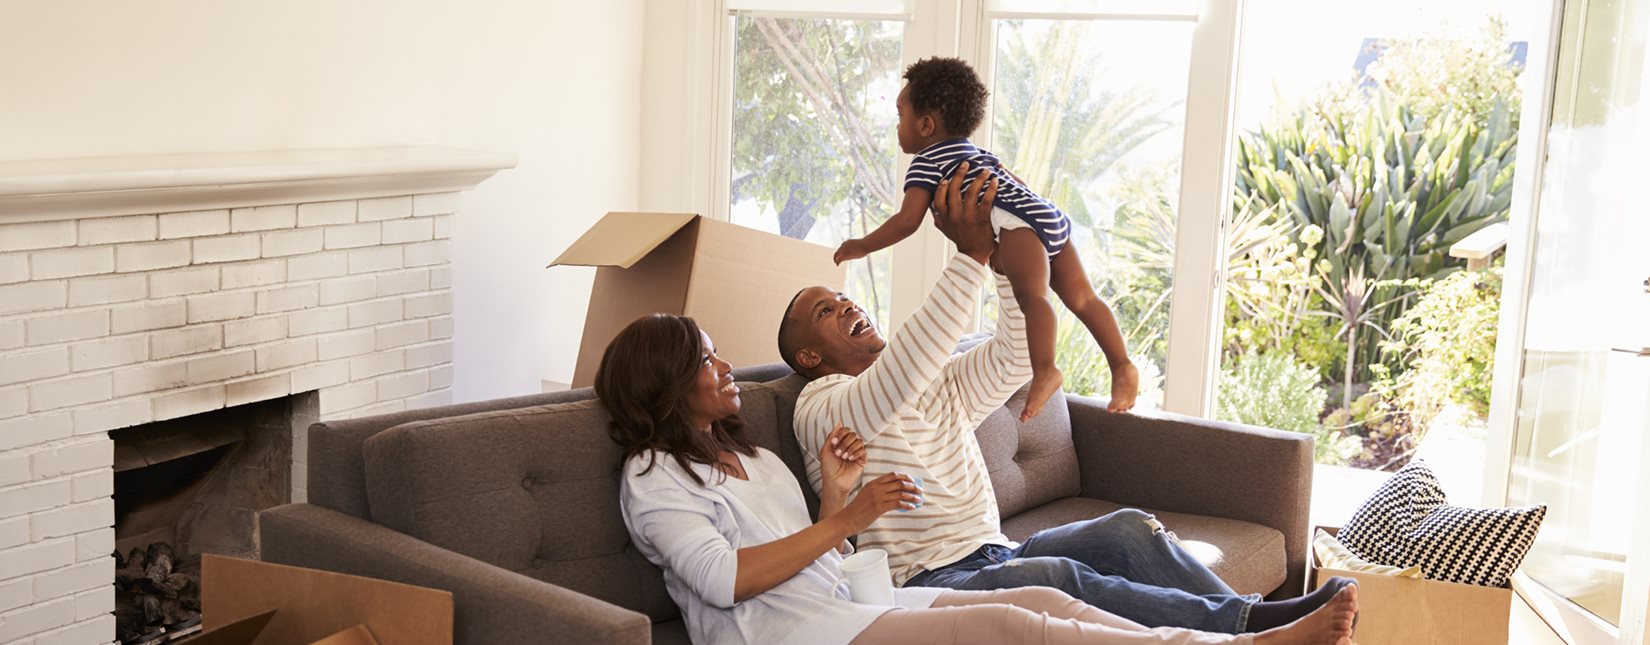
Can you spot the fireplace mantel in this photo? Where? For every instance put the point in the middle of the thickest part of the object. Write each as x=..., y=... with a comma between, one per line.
x=58, y=189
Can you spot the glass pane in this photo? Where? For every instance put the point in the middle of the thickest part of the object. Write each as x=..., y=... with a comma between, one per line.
x=1091, y=115
x=814, y=147
x=1583, y=407
x=1372, y=138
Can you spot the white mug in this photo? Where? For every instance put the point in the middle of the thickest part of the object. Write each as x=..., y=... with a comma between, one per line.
x=866, y=575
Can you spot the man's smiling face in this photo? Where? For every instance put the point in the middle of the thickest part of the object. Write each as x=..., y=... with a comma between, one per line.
x=838, y=336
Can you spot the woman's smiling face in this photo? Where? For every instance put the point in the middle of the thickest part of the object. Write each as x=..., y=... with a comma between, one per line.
x=714, y=395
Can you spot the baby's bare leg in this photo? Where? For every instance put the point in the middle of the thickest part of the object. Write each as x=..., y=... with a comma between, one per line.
x=1021, y=257
x=1071, y=282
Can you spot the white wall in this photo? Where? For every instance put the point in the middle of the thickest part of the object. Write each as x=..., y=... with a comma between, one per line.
x=555, y=81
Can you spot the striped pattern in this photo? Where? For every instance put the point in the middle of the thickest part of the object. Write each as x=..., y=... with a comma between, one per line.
x=917, y=408
x=940, y=161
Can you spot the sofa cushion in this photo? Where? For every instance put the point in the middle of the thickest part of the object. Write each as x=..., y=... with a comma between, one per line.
x=1032, y=463
x=767, y=409
x=672, y=632
x=1249, y=557
x=532, y=490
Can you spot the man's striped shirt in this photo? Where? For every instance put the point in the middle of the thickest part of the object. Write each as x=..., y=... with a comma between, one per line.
x=917, y=408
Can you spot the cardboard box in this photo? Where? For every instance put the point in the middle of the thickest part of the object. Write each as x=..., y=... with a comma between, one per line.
x=1407, y=611
x=245, y=602
x=735, y=281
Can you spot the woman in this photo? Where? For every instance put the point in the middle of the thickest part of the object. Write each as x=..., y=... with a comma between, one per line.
x=726, y=521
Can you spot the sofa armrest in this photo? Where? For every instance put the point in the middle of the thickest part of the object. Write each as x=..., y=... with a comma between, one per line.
x=490, y=605
x=1170, y=462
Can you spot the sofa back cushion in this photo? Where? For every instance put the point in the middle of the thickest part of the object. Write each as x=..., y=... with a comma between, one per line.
x=1030, y=464
x=531, y=490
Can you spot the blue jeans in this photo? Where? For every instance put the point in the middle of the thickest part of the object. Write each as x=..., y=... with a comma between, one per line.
x=1124, y=563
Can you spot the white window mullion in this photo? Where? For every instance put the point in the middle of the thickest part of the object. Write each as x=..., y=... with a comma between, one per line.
x=935, y=30
x=721, y=130
x=1196, y=306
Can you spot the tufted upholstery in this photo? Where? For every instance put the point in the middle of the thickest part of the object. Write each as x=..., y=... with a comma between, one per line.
x=1030, y=463
x=502, y=487
x=527, y=488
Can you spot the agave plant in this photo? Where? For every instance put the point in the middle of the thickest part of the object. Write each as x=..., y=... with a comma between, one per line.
x=1390, y=191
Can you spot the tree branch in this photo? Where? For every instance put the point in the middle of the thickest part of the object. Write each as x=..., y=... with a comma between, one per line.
x=810, y=80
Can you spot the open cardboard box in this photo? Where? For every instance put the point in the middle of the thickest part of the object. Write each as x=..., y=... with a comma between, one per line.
x=1407, y=611
x=246, y=602
x=735, y=281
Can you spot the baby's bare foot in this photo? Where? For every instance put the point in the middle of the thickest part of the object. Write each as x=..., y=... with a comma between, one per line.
x=1044, y=383
x=1125, y=387
x=1331, y=624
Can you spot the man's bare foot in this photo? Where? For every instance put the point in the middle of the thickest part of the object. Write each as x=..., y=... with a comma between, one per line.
x=1331, y=624
x=1125, y=386
x=1044, y=383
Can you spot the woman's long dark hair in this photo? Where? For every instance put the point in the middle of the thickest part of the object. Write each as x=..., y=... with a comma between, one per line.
x=645, y=378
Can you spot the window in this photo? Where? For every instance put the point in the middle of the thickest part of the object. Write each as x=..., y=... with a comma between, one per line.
x=1091, y=115
x=1364, y=339
x=814, y=153
x=805, y=146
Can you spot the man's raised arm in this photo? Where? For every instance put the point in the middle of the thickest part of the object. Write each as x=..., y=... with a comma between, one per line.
x=918, y=352
x=983, y=377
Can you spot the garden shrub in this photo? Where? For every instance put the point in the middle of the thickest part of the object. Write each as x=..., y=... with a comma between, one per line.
x=1275, y=391
x=1446, y=345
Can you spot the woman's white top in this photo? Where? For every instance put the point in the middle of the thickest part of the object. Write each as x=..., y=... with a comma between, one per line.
x=694, y=532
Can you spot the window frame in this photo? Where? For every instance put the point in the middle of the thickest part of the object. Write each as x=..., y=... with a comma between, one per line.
x=966, y=29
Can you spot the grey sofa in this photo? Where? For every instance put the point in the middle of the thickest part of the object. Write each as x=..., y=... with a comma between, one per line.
x=512, y=504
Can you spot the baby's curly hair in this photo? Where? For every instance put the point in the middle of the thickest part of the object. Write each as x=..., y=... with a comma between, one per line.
x=950, y=87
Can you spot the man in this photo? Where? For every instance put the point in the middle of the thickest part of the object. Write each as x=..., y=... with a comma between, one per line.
x=917, y=406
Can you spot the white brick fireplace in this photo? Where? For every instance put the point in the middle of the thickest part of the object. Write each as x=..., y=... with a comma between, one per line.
x=140, y=289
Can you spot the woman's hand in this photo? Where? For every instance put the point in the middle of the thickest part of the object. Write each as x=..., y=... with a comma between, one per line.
x=841, y=461
x=892, y=491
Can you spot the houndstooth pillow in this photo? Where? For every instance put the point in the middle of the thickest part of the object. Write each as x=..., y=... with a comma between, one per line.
x=1407, y=523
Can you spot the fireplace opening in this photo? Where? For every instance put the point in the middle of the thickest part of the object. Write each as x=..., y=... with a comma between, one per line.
x=189, y=486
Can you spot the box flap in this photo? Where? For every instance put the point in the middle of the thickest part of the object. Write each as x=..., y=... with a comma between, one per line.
x=742, y=280
x=622, y=239
x=316, y=604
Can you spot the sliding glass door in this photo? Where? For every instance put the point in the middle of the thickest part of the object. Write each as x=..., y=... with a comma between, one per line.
x=1580, y=408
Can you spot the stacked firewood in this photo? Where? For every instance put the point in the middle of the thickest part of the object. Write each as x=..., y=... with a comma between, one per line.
x=155, y=593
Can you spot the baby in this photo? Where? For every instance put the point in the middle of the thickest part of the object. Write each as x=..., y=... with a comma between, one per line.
x=941, y=105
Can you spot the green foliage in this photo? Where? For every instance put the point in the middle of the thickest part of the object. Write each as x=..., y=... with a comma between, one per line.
x=1080, y=359
x=1053, y=122
x=1382, y=432
x=1137, y=279
x=1275, y=391
x=1389, y=190
x=814, y=131
x=1060, y=130
x=811, y=133
x=1432, y=75
x=1446, y=343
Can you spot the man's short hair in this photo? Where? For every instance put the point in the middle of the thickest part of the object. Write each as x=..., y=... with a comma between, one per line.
x=950, y=87
x=790, y=341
